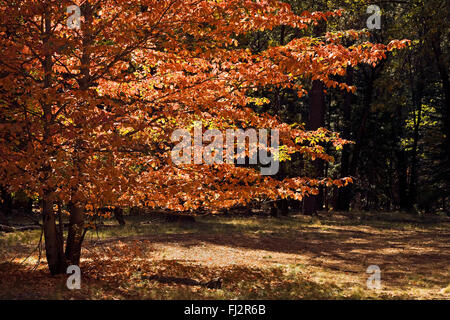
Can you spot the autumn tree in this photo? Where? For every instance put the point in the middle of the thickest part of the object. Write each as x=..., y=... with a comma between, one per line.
x=87, y=114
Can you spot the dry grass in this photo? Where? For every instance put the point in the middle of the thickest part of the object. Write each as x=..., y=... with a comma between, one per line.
x=258, y=258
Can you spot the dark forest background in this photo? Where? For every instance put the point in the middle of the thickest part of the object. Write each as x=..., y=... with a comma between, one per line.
x=398, y=119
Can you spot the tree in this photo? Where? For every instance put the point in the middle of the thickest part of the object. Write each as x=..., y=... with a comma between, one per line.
x=87, y=113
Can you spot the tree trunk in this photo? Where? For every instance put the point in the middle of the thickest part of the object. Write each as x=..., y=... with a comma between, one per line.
x=359, y=135
x=442, y=66
x=417, y=101
x=273, y=210
x=402, y=173
x=344, y=195
x=413, y=177
x=362, y=128
x=313, y=203
x=402, y=161
x=53, y=245
x=75, y=234
x=118, y=214
x=76, y=222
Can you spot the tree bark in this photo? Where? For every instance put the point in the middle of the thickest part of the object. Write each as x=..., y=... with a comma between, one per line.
x=313, y=203
x=417, y=93
x=118, y=214
x=402, y=173
x=413, y=177
x=75, y=234
x=53, y=246
x=76, y=221
x=344, y=194
x=360, y=133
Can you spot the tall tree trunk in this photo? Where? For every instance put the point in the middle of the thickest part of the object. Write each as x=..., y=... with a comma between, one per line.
x=402, y=173
x=76, y=223
x=417, y=94
x=360, y=133
x=344, y=195
x=53, y=245
x=362, y=127
x=313, y=203
x=54, y=248
x=402, y=161
x=75, y=234
x=316, y=120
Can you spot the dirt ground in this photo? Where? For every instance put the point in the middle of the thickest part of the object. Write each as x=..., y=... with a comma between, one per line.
x=257, y=258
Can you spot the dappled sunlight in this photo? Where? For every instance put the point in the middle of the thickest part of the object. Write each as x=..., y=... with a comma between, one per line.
x=256, y=258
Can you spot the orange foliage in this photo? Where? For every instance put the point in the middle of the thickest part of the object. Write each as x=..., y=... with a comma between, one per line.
x=86, y=115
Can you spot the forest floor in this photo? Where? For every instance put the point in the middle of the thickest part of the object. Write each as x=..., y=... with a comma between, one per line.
x=257, y=257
